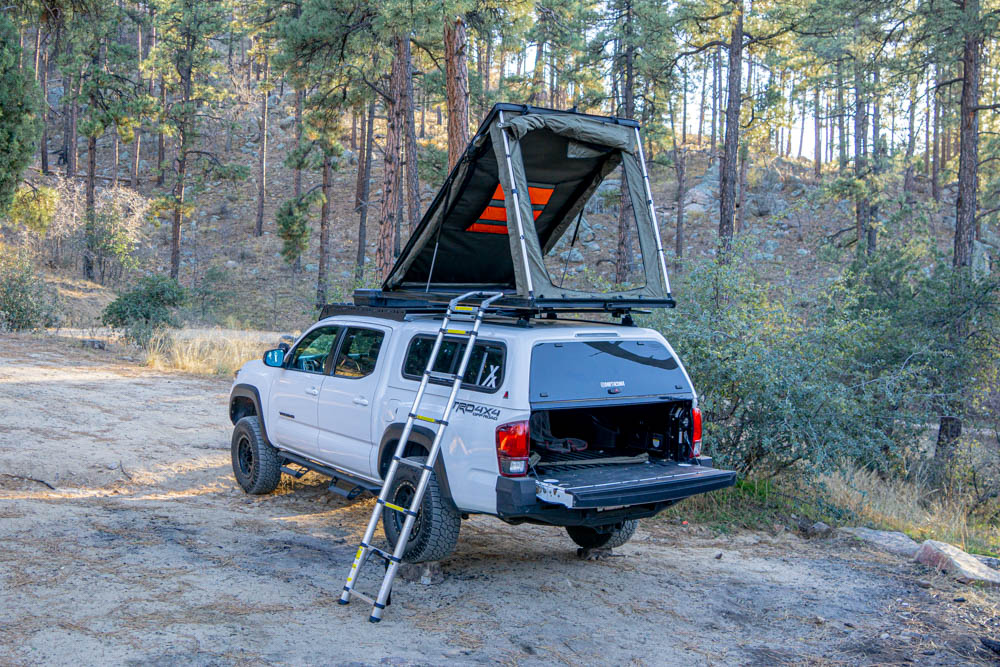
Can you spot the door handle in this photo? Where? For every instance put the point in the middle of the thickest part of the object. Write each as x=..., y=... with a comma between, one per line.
x=312, y=391
x=360, y=400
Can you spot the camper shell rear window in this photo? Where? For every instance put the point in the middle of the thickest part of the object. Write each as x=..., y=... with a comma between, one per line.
x=604, y=370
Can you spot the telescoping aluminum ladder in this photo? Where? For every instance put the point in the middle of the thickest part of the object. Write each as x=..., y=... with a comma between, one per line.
x=365, y=549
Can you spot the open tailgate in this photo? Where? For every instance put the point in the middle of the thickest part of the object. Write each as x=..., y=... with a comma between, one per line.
x=629, y=484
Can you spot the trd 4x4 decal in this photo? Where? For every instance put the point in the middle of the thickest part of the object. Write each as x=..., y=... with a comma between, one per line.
x=477, y=410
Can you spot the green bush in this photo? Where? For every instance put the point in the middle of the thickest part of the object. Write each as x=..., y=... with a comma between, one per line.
x=140, y=311
x=25, y=302
x=775, y=389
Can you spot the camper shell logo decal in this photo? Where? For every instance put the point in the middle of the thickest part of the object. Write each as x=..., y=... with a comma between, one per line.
x=483, y=411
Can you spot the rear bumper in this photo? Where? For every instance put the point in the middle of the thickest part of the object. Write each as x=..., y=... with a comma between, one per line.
x=596, y=496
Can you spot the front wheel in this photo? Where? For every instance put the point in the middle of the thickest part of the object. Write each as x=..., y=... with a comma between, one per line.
x=605, y=536
x=256, y=464
x=435, y=530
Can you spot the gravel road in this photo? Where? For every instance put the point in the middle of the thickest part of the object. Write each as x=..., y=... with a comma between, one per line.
x=146, y=552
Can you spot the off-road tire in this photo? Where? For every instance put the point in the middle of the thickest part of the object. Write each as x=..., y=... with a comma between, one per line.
x=256, y=464
x=590, y=538
x=435, y=532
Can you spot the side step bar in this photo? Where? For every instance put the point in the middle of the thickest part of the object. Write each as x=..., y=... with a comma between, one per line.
x=342, y=483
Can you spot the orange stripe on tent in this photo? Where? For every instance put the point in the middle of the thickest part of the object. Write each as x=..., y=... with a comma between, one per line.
x=497, y=213
x=538, y=196
x=486, y=229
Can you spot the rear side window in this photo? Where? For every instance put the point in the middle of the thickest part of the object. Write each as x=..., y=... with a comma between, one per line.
x=484, y=372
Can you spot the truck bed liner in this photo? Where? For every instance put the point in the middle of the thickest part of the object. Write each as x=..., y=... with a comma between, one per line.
x=630, y=484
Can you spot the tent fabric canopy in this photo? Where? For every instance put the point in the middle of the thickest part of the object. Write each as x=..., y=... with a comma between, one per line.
x=521, y=184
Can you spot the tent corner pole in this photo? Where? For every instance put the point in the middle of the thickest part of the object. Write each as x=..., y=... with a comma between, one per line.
x=517, y=208
x=652, y=212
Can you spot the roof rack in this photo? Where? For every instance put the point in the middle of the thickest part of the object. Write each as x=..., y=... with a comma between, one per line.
x=397, y=305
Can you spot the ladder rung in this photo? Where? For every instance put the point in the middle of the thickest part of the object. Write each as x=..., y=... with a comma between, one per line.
x=397, y=508
x=429, y=420
x=413, y=464
x=457, y=332
x=465, y=309
x=385, y=555
x=447, y=377
x=355, y=593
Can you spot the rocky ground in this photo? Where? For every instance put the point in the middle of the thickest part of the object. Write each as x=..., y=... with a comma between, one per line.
x=132, y=544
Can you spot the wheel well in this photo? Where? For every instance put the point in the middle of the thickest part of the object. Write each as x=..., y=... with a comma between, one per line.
x=412, y=449
x=241, y=407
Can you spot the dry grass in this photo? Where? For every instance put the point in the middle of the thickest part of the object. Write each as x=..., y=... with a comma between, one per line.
x=910, y=508
x=206, y=351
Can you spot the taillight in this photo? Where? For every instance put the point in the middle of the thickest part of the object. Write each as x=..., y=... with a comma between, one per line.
x=512, y=449
x=695, y=433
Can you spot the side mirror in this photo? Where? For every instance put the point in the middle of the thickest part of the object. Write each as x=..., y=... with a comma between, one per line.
x=274, y=358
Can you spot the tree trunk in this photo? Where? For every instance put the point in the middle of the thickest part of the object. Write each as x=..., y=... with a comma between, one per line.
x=727, y=186
x=968, y=157
x=91, y=207
x=949, y=431
x=175, y=232
x=679, y=166
x=384, y=254
x=717, y=97
x=818, y=128
x=359, y=270
x=457, y=86
x=297, y=172
x=684, y=107
x=360, y=183
x=701, y=107
x=936, y=164
x=407, y=109
x=876, y=151
x=44, y=143
x=909, y=185
x=741, y=206
x=927, y=128
x=161, y=148
x=262, y=155
x=623, y=259
x=841, y=118
x=324, y=231
x=860, y=157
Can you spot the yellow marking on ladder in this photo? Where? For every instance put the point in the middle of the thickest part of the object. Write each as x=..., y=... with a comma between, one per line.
x=464, y=308
x=456, y=331
x=426, y=419
x=360, y=551
x=395, y=507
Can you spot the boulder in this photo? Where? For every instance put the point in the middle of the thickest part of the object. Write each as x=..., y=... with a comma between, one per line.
x=989, y=561
x=886, y=540
x=422, y=573
x=573, y=255
x=957, y=563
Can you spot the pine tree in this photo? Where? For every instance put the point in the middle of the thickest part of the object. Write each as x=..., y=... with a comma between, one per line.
x=20, y=126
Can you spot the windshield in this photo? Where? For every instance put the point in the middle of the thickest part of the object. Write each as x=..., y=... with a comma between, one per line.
x=606, y=370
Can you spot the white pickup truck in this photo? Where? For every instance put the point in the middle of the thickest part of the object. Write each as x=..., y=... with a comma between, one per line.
x=585, y=425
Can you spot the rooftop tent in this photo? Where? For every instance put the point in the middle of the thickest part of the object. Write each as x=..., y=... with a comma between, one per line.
x=518, y=194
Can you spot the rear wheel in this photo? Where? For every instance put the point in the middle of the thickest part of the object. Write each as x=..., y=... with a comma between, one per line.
x=256, y=464
x=435, y=530
x=605, y=536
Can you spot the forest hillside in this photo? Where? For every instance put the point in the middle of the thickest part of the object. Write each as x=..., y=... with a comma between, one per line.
x=826, y=177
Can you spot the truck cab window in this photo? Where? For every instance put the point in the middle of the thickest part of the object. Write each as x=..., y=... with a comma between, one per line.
x=311, y=353
x=358, y=353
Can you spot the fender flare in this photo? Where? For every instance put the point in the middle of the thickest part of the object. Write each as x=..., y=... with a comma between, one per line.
x=248, y=391
x=419, y=435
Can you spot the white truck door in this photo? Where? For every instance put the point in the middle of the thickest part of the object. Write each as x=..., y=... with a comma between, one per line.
x=292, y=417
x=347, y=399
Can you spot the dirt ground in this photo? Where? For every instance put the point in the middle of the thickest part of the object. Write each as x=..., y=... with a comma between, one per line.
x=146, y=552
